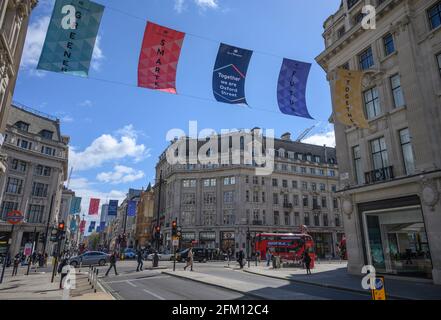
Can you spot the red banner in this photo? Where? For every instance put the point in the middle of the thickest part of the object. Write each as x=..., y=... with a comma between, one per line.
x=158, y=61
x=94, y=206
x=82, y=226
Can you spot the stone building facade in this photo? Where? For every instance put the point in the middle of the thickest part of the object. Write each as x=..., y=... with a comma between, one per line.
x=37, y=156
x=216, y=204
x=390, y=174
x=144, y=218
x=14, y=20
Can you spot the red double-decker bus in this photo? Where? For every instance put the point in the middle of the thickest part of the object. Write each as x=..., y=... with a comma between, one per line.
x=288, y=246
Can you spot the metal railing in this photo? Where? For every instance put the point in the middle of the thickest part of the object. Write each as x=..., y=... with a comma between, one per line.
x=379, y=175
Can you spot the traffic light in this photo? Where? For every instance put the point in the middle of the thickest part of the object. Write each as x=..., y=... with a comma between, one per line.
x=174, y=228
x=61, y=226
x=158, y=232
x=179, y=232
x=248, y=235
x=54, y=235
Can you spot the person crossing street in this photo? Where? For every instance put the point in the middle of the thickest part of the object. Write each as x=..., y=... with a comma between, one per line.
x=189, y=260
x=112, y=264
x=139, y=259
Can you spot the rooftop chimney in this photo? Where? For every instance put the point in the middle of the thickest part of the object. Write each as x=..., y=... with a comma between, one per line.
x=286, y=136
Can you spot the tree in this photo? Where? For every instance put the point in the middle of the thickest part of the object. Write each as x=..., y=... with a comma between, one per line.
x=94, y=240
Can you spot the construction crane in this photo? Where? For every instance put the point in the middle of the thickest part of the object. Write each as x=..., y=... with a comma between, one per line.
x=305, y=133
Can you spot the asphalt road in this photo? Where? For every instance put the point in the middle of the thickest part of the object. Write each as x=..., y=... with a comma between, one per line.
x=153, y=285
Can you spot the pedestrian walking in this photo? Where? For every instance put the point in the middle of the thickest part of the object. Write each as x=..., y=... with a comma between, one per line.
x=112, y=264
x=139, y=259
x=268, y=257
x=16, y=263
x=189, y=260
x=307, y=261
x=63, y=271
x=240, y=258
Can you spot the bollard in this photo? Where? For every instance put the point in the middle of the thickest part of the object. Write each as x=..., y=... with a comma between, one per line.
x=96, y=279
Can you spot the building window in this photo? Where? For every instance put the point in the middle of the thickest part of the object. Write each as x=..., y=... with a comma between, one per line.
x=322, y=187
x=263, y=217
x=209, y=182
x=325, y=220
x=35, y=214
x=294, y=184
x=303, y=170
x=209, y=218
x=263, y=197
x=314, y=186
x=24, y=144
x=397, y=92
x=19, y=165
x=285, y=183
x=188, y=218
x=296, y=218
x=229, y=217
x=435, y=15
x=256, y=180
x=324, y=202
x=316, y=220
x=247, y=179
x=275, y=183
x=229, y=181
x=389, y=46
x=255, y=196
x=275, y=199
x=366, y=59
x=247, y=195
x=352, y=3
x=372, y=103
x=357, y=164
x=406, y=148
x=39, y=189
x=337, y=220
x=304, y=185
x=189, y=183
x=341, y=32
x=306, y=219
x=305, y=201
x=48, y=151
x=229, y=197
x=276, y=218
x=46, y=134
x=8, y=206
x=23, y=126
x=334, y=188
x=335, y=203
x=209, y=198
x=287, y=219
x=14, y=186
x=43, y=171
x=379, y=154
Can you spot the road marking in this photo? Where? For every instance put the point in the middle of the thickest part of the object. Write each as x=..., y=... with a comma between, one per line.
x=139, y=279
x=131, y=284
x=153, y=294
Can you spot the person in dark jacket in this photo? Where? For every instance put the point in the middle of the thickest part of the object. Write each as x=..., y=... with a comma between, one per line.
x=240, y=258
x=112, y=264
x=139, y=259
x=16, y=263
x=307, y=261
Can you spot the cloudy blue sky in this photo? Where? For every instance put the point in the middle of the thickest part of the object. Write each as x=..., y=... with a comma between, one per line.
x=118, y=131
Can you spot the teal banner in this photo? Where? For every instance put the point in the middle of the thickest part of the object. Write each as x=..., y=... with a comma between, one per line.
x=71, y=37
x=75, y=205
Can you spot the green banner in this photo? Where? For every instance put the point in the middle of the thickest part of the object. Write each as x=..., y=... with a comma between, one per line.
x=71, y=37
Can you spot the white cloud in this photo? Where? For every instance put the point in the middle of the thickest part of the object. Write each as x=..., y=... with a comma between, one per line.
x=325, y=138
x=34, y=43
x=86, y=103
x=120, y=174
x=67, y=119
x=106, y=148
x=97, y=56
x=202, y=4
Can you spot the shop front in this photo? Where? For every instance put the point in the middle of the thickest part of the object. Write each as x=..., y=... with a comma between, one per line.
x=207, y=239
x=4, y=238
x=227, y=241
x=187, y=239
x=324, y=245
x=395, y=239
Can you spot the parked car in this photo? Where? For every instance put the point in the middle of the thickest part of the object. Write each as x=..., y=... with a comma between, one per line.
x=199, y=254
x=90, y=258
x=162, y=256
x=129, y=253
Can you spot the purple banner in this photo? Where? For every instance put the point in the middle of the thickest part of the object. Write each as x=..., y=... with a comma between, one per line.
x=291, y=90
x=131, y=208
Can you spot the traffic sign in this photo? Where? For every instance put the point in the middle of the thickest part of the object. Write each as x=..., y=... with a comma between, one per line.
x=379, y=293
x=14, y=217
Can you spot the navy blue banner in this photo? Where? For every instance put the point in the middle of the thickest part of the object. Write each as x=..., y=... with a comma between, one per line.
x=229, y=74
x=92, y=226
x=113, y=208
x=131, y=208
x=291, y=90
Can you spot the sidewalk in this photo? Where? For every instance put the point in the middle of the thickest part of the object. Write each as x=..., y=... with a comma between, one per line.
x=38, y=286
x=335, y=276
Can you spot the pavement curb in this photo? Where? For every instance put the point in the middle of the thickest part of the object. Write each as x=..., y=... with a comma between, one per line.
x=324, y=285
x=258, y=296
x=108, y=290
